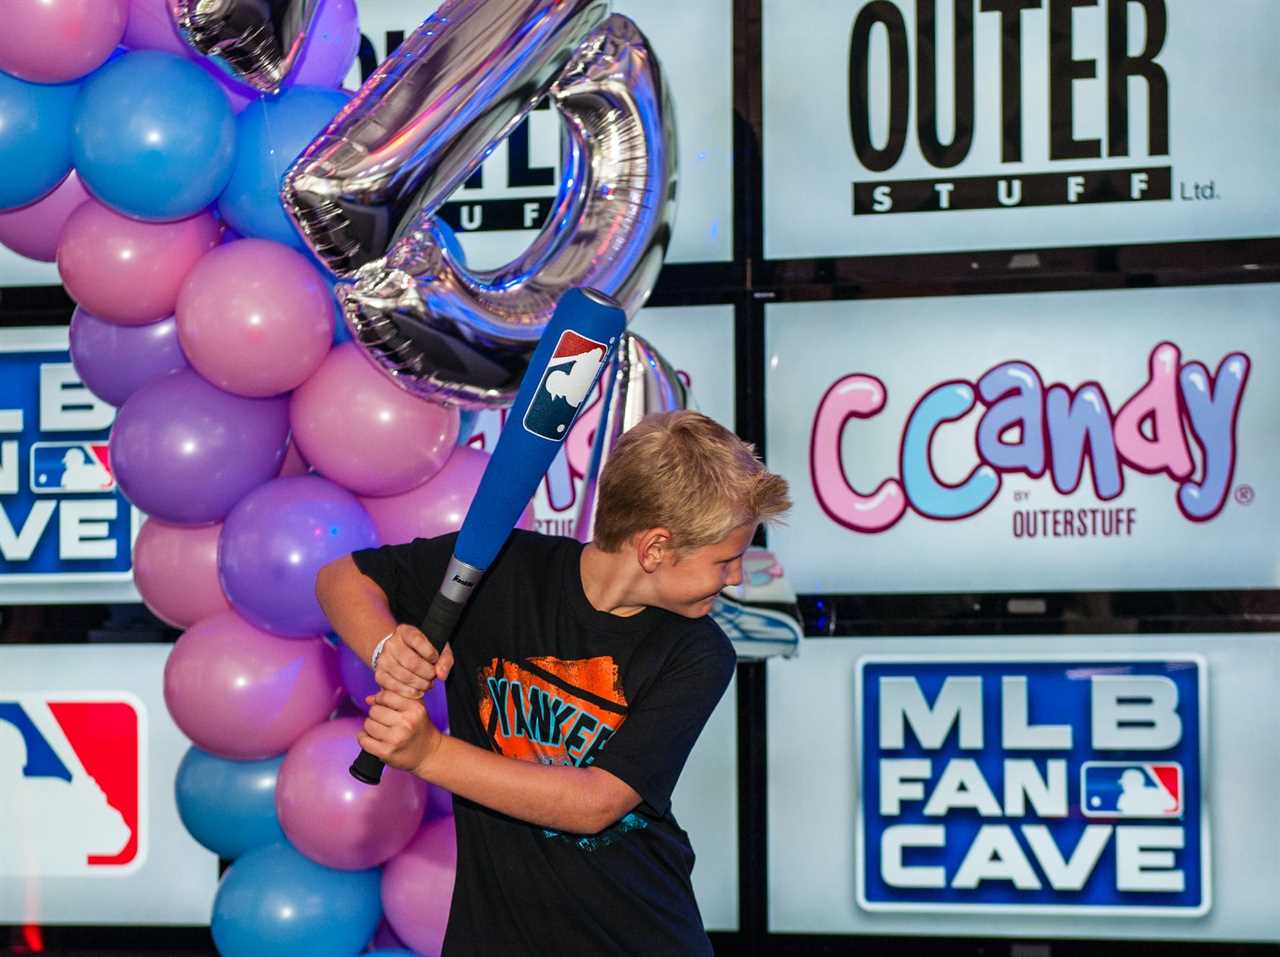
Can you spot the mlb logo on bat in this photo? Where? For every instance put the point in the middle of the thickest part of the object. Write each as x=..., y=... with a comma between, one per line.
x=1032, y=784
x=73, y=767
x=71, y=467
x=571, y=372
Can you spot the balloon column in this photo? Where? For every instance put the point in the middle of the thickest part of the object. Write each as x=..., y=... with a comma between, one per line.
x=259, y=445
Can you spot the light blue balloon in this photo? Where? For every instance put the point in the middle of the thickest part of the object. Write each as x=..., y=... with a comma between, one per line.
x=154, y=136
x=35, y=138
x=275, y=902
x=229, y=806
x=466, y=424
x=270, y=133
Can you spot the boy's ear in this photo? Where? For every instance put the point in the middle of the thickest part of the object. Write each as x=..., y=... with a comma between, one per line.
x=653, y=547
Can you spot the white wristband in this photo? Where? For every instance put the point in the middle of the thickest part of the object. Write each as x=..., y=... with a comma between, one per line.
x=377, y=650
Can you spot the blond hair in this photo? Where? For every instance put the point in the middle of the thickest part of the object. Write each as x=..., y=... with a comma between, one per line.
x=687, y=473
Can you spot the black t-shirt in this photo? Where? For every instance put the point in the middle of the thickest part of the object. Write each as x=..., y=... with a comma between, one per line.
x=540, y=675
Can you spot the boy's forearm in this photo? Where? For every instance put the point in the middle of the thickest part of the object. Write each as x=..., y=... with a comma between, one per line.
x=560, y=797
x=356, y=607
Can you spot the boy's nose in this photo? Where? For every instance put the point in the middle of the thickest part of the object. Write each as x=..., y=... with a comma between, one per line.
x=734, y=575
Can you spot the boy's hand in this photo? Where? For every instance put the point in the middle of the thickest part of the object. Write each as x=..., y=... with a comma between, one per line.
x=398, y=730
x=409, y=663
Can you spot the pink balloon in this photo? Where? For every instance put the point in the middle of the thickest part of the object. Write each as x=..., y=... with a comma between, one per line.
x=33, y=230
x=255, y=318
x=151, y=28
x=244, y=694
x=53, y=41
x=438, y=506
x=358, y=428
x=176, y=571
x=417, y=887
x=126, y=271
x=334, y=819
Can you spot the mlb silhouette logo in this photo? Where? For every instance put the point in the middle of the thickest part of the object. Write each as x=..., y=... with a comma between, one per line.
x=71, y=467
x=72, y=772
x=572, y=371
x=1131, y=789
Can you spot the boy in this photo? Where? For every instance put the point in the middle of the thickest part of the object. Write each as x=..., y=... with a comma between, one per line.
x=584, y=674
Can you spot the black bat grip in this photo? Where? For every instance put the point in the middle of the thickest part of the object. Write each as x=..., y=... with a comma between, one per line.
x=438, y=626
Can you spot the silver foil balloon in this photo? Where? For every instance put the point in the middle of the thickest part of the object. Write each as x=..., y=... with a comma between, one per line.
x=638, y=382
x=365, y=192
x=256, y=41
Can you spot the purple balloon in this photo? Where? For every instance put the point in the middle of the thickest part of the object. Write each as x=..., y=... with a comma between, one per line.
x=186, y=452
x=115, y=361
x=357, y=677
x=275, y=541
x=151, y=28
x=242, y=694
x=333, y=818
x=385, y=939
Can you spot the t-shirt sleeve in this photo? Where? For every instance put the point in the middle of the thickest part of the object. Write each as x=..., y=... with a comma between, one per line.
x=650, y=748
x=409, y=574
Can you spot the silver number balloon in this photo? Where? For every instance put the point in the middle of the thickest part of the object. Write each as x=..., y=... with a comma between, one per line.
x=638, y=382
x=256, y=41
x=365, y=192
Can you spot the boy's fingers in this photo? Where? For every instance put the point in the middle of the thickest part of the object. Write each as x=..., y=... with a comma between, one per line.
x=388, y=683
x=445, y=664
x=372, y=745
x=417, y=641
x=390, y=717
x=413, y=673
x=396, y=701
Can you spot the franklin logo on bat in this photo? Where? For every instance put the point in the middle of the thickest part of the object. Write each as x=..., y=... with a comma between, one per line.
x=571, y=372
x=72, y=773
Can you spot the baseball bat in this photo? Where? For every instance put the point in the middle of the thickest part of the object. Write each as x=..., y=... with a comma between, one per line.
x=575, y=346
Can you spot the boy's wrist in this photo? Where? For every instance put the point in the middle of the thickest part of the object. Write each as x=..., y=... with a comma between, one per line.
x=426, y=764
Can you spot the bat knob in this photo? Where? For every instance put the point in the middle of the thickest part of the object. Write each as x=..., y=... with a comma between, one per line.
x=367, y=769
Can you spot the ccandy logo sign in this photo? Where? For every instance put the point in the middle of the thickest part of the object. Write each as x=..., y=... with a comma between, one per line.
x=1032, y=784
x=1068, y=435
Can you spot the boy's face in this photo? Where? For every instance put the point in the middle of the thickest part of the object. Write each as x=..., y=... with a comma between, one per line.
x=689, y=584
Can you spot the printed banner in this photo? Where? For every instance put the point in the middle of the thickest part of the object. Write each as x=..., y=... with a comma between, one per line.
x=1084, y=441
x=90, y=832
x=1106, y=787
x=1032, y=784
x=1014, y=125
x=696, y=340
x=66, y=531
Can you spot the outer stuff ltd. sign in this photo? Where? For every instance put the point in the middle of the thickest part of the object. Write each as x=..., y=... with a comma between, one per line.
x=66, y=531
x=1015, y=123
x=1032, y=784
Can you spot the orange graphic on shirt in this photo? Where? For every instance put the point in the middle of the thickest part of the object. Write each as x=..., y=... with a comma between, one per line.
x=549, y=710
